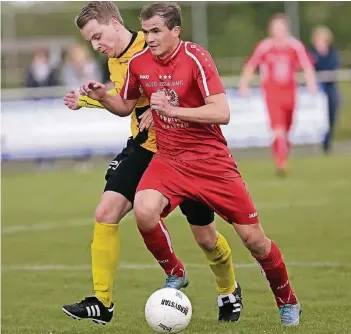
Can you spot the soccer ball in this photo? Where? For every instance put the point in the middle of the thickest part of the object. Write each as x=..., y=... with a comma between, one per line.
x=168, y=311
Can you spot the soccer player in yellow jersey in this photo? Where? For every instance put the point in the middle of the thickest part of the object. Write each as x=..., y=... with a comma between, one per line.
x=101, y=24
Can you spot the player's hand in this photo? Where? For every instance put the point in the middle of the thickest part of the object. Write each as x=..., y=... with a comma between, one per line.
x=146, y=120
x=244, y=91
x=71, y=99
x=159, y=102
x=95, y=90
x=313, y=89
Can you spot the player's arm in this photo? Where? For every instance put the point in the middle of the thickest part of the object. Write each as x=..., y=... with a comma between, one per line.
x=121, y=104
x=115, y=104
x=250, y=67
x=216, y=109
x=87, y=102
x=310, y=77
x=245, y=79
x=118, y=81
x=74, y=100
x=305, y=62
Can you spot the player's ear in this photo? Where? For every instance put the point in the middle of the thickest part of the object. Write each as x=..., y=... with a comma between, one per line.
x=115, y=23
x=176, y=31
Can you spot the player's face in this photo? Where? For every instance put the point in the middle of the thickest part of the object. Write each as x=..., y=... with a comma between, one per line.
x=321, y=42
x=159, y=38
x=103, y=37
x=279, y=29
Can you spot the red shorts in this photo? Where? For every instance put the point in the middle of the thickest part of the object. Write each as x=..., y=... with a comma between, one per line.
x=215, y=182
x=280, y=106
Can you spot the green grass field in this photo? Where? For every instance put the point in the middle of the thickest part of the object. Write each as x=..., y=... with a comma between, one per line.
x=47, y=220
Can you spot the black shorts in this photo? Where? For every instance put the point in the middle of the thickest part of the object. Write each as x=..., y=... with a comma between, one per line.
x=125, y=171
x=124, y=174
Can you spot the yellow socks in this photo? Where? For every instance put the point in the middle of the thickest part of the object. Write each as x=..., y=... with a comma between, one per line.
x=105, y=255
x=221, y=264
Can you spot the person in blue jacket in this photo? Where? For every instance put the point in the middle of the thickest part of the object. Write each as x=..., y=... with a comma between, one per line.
x=326, y=59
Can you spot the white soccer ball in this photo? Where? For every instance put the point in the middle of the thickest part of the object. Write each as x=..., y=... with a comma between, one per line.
x=168, y=311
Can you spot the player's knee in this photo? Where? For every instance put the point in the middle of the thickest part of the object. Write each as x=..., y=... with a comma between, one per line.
x=110, y=212
x=279, y=132
x=255, y=240
x=146, y=211
x=106, y=214
x=205, y=236
x=258, y=246
x=112, y=208
x=207, y=242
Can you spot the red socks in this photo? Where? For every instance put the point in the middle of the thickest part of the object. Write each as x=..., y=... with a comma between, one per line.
x=158, y=242
x=273, y=268
x=280, y=151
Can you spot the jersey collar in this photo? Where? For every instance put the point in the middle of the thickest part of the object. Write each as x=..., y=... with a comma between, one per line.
x=166, y=60
x=134, y=36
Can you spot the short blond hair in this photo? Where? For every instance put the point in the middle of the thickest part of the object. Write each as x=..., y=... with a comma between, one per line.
x=323, y=31
x=101, y=11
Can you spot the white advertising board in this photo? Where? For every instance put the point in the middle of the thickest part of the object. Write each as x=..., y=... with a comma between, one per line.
x=249, y=124
x=47, y=129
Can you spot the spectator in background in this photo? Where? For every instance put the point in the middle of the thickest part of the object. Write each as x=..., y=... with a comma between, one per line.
x=326, y=59
x=40, y=72
x=79, y=67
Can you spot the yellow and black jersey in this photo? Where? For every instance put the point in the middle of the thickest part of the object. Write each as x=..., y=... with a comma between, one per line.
x=118, y=69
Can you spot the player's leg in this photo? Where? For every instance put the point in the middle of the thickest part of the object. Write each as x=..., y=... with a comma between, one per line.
x=280, y=147
x=268, y=256
x=105, y=248
x=123, y=176
x=149, y=204
x=289, y=111
x=148, y=207
x=116, y=202
x=229, y=197
x=158, y=241
x=105, y=254
x=270, y=260
x=332, y=96
x=219, y=256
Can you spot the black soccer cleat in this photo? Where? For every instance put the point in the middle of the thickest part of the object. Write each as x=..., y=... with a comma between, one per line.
x=90, y=308
x=230, y=306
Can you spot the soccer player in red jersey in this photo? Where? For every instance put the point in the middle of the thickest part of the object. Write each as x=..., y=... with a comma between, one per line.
x=192, y=159
x=279, y=57
x=101, y=23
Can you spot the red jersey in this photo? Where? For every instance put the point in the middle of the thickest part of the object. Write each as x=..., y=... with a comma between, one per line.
x=187, y=76
x=278, y=65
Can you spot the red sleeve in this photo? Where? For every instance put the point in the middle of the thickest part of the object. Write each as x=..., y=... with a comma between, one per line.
x=131, y=87
x=259, y=52
x=207, y=76
x=303, y=59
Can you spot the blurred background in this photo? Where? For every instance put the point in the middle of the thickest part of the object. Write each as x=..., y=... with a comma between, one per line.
x=43, y=57
x=228, y=29
x=54, y=161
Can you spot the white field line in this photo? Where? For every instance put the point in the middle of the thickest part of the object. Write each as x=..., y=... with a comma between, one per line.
x=136, y=266
x=46, y=226
x=301, y=183
x=262, y=206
